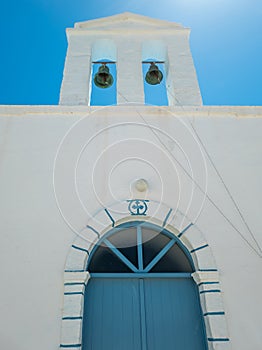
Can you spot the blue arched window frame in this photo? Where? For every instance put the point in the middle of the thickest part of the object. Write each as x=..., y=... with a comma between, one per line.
x=141, y=271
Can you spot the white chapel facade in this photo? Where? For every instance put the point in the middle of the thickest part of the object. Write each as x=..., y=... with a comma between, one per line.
x=128, y=223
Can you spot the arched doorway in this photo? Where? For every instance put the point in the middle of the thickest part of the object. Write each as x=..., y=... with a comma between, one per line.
x=141, y=295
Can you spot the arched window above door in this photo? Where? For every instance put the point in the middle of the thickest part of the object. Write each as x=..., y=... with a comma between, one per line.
x=139, y=248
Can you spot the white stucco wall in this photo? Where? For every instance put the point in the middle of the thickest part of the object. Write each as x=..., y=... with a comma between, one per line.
x=101, y=156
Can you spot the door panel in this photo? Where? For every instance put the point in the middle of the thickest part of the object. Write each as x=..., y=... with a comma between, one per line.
x=112, y=315
x=173, y=315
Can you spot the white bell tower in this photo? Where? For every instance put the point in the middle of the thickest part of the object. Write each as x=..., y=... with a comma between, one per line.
x=128, y=40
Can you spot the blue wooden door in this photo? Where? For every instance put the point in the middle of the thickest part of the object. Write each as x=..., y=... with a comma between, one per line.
x=142, y=296
x=142, y=314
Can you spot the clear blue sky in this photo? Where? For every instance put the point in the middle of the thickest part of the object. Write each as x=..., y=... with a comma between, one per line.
x=226, y=43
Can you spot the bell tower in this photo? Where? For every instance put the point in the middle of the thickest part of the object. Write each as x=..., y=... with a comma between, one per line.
x=110, y=53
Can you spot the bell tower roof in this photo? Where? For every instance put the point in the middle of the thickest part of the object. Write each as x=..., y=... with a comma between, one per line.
x=129, y=21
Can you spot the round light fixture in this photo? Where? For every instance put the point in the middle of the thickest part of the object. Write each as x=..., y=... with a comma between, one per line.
x=141, y=185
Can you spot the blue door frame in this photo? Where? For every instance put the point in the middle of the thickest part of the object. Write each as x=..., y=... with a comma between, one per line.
x=147, y=310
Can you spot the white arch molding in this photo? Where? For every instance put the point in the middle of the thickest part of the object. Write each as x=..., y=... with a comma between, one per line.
x=206, y=275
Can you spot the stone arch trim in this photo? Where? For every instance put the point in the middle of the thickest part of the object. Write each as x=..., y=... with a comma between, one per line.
x=206, y=275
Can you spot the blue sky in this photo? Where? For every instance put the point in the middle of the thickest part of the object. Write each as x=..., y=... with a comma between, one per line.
x=226, y=43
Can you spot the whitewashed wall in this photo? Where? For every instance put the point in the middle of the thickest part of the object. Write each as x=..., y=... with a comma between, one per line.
x=103, y=152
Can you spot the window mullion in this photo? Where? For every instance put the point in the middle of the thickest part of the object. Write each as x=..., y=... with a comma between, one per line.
x=120, y=255
x=159, y=255
x=139, y=249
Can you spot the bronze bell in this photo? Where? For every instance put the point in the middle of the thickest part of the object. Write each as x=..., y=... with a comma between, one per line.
x=103, y=79
x=154, y=76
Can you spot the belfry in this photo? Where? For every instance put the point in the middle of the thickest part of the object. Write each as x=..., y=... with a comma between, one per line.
x=131, y=41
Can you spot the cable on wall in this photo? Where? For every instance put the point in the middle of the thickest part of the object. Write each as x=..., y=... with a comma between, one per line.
x=257, y=252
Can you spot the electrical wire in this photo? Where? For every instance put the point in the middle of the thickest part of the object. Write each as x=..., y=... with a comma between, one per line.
x=200, y=188
x=225, y=186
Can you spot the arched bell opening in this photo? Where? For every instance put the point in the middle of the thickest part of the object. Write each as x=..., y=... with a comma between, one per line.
x=154, y=74
x=141, y=294
x=103, y=83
